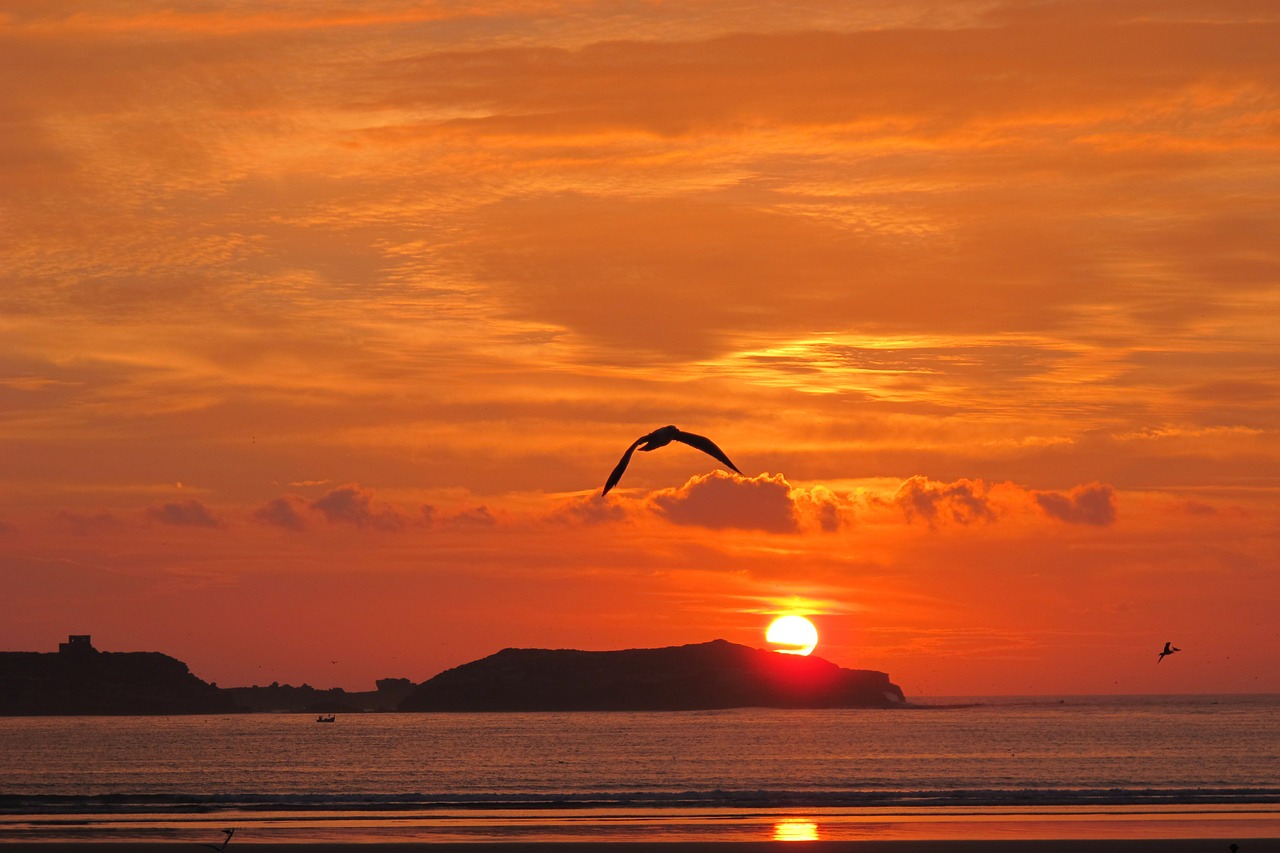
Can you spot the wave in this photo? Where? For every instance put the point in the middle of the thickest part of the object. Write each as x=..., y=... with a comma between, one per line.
x=202, y=803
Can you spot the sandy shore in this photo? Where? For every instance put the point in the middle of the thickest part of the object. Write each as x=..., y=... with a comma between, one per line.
x=1201, y=845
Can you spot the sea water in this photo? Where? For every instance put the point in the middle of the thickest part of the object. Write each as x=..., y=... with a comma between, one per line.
x=1150, y=766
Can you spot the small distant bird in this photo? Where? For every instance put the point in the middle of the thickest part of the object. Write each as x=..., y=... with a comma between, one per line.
x=225, y=842
x=661, y=437
x=1169, y=649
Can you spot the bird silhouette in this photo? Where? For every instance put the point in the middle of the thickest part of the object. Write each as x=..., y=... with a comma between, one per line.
x=226, y=841
x=1169, y=649
x=661, y=437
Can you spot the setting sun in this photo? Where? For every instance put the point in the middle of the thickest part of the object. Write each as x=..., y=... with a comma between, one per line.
x=795, y=634
x=795, y=829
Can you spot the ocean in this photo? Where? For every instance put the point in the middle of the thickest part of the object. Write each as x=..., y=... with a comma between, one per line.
x=1042, y=767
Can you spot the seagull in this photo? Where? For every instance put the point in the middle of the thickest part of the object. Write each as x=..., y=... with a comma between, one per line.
x=1169, y=648
x=229, y=832
x=661, y=437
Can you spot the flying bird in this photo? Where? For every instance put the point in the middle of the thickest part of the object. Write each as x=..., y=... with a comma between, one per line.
x=1169, y=648
x=661, y=437
x=229, y=833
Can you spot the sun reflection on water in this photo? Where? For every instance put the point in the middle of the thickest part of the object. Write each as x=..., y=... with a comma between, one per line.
x=795, y=829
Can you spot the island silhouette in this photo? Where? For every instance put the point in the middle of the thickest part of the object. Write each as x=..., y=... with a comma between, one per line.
x=79, y=679
x=701, y=676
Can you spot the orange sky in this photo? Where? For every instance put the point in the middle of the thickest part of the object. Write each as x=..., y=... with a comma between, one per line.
x=321, y=327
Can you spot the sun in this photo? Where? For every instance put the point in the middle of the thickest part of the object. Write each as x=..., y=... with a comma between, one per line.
x=795, y=634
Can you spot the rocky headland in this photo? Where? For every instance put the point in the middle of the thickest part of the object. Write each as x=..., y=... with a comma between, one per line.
x=79, y=679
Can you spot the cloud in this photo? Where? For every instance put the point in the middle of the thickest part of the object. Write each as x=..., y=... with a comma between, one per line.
x=589, y=509
x=287, y=511
x=962, y=502
x=822, y=509
x=936, y=79
x=721, y=500
x=1199, y=508
x=351, y=504
x=968, y=502
x=354, y=505
x=480, y=516
x=189, y=513
x=82, y=524
x=1091, y=504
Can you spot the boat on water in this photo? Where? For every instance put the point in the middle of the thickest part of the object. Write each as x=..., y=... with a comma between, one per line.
x=326, y=718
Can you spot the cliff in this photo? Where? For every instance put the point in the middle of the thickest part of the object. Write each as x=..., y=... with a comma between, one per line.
x=718, y=674
x=82, y=680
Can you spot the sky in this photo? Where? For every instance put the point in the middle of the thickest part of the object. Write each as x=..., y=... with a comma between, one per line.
x=322, y=325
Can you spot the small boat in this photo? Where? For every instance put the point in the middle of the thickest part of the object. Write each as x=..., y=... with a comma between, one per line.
x=326, y=719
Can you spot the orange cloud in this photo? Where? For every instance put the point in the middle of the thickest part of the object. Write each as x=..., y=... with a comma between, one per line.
x=287, y=511
x=720, y=500
x=1091, y=504
x=967, y=502
x=476, y=517
x=355, y=506
x=961, y=502
x=188, y=513
x=86, y=524
x=588, y=510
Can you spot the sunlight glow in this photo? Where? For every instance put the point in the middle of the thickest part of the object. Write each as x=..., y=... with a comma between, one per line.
x=795, y=829
x=795, y=633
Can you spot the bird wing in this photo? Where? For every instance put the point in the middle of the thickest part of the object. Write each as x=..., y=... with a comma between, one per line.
x=616, y=475
x=706, y=445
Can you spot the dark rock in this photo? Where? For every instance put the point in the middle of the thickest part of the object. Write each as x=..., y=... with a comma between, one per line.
x=81, y=680
x=307, y=699
x=702, y=676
